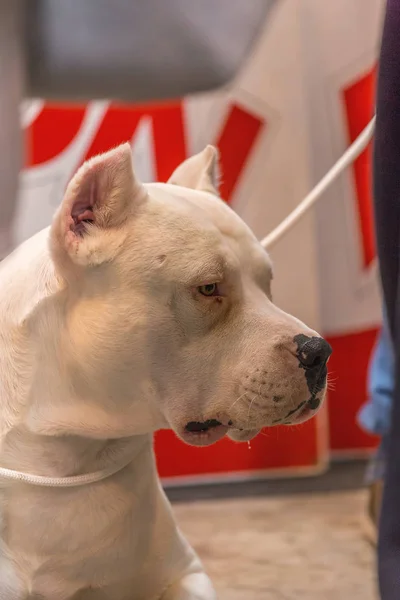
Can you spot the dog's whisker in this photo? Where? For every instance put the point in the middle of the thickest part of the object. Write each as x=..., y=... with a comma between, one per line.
x=331, y=382
x=264, y=434
x=248, y=413
x=237, y=400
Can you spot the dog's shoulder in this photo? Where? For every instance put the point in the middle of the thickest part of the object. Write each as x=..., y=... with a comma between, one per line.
x=26, y=276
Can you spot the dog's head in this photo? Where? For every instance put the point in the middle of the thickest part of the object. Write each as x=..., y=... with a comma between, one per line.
x=168, y=305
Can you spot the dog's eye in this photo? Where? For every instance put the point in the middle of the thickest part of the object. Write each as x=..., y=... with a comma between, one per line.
x=210, y=289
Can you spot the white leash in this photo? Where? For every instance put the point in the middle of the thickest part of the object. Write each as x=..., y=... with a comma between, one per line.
x=344, y=161
x=74, y=480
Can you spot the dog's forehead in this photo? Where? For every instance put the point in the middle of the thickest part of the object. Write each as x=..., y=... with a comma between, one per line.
x=201, y=208
x=210, y=217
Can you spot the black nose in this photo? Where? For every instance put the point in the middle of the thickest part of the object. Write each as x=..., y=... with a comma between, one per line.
x=312, y=352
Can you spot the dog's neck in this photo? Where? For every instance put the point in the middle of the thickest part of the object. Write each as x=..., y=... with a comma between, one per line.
x=71, y=437
x=60, y=435
x=66, y=456
x=45, y=428
x=62, y=441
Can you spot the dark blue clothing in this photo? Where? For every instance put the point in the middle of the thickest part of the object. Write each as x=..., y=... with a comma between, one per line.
x=386, y=171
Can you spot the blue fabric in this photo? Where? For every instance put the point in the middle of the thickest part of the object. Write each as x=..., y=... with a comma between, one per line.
x=376, y=469
x=375, y=416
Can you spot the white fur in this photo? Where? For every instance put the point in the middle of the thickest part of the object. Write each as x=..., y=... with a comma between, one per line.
x=105, y=338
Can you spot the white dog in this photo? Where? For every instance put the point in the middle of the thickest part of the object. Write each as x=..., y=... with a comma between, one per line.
x=142, y=307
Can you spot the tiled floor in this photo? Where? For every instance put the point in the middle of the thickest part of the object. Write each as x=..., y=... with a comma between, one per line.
x=296, y=547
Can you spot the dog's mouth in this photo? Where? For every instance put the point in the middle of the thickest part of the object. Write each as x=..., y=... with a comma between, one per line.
x=200, y=427
x=306, y=411
x=203, y=433
x=303, y=412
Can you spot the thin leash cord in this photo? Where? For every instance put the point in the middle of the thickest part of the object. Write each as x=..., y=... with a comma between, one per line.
x=344, y=161
x=276, y=234
x=72, y=481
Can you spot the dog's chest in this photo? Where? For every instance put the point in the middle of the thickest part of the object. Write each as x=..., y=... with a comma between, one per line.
x=114, y=534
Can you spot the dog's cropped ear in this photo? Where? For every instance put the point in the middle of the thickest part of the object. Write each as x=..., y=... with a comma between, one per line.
x=200, y=172
x=99, y=199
